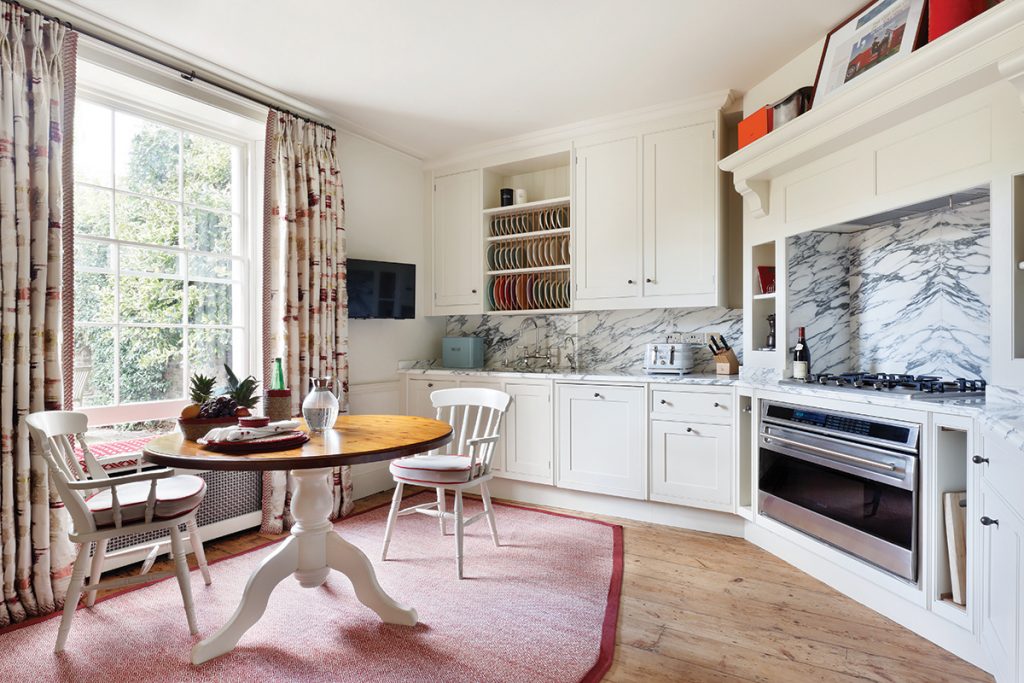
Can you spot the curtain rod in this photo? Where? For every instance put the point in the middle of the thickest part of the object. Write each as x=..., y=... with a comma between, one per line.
x=191, y=76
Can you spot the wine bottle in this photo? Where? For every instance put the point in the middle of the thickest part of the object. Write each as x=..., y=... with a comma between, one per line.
x=277, y=379
x=801, y=356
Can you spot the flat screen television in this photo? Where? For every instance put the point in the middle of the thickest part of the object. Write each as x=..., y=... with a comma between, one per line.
x=379, y=289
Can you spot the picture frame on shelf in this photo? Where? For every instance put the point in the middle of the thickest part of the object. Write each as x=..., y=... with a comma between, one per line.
x=878, y=35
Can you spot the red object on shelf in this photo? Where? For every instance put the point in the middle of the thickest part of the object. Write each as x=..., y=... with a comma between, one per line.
x=766, y=278
x=755, y=126
x=946, y=15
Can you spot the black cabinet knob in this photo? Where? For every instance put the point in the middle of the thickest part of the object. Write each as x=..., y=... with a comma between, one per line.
x=649, y=280
x=474, y=291
x=629, y=282
x=978, y=460
x=430, y=384
x=717, y=404
x=689, y=430
x=597, y=395
x=663, y=402
x=988, y=521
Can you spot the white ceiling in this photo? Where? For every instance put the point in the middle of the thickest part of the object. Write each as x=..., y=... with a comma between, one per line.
x=431, y=77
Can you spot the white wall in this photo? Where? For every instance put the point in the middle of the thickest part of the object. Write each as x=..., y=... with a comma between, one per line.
x=800, y=71
x=385, y=222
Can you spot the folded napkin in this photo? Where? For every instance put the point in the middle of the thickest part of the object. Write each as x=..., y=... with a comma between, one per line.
x=236, y=433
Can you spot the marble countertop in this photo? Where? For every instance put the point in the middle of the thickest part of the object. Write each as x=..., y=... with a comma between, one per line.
x=565, y=374
x=1002, y=412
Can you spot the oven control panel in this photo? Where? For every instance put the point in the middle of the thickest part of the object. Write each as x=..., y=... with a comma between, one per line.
x=844, y=424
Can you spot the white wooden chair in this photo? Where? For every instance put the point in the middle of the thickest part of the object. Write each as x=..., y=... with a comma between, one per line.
x=102, y=508
x=475, y=416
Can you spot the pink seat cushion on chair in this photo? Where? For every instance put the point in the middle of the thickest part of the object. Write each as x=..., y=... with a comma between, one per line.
x=432, y=469
x=175, y=496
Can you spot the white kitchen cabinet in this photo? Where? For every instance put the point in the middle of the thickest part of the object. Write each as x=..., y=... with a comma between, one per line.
x=528, y=438
x=608, y=236
x=417, y=395
x=649, y=228
x=692, y=464
x=600, y=436
x=680, y=227
x=458, y=244
x=1002, y=566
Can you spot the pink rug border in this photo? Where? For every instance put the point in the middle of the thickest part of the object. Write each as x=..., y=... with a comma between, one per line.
x=606, y=652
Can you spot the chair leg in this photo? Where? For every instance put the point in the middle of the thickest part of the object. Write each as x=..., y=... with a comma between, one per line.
x=96, y=571
x=489, y=509
x=184, y=581
x=71, y=599
x=440, y=511
x=458, y=532
x=196, y=540
x=396, y=503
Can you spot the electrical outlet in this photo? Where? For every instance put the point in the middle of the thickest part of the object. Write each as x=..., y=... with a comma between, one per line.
x=693, y=338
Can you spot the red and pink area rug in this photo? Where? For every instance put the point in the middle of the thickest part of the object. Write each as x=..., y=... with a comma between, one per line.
x=543, y=607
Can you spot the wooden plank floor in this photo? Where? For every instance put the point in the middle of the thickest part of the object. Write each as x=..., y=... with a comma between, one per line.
x=701, y=608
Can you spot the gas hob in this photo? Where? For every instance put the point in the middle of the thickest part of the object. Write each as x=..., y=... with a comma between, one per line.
x=914, y=387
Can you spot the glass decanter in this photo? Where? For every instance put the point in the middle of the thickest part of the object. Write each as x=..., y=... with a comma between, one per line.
x=320, y=408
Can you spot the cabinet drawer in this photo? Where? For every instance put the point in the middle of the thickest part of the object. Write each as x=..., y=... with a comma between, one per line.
x=1004, y=470
x=703, y=406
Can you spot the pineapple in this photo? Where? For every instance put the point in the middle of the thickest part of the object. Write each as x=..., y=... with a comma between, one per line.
x=201, y=388
x=242, y=391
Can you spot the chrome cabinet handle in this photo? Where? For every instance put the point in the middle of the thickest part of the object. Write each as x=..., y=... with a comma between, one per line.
x=978, y=460
x=833, y=454
x=746, y=409
x=988, y=521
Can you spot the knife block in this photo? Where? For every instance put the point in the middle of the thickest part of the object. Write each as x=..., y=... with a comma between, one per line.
x=726, y=363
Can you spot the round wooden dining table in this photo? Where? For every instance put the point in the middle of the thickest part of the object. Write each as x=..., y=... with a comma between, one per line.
x=314, y=548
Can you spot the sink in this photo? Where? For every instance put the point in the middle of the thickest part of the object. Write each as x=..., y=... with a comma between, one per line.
x=534, y=371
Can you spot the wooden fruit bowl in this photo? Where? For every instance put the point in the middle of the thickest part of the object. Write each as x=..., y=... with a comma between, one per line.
x=195, y=428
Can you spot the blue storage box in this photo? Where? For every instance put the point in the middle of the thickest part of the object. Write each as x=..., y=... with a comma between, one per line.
x=462, y=352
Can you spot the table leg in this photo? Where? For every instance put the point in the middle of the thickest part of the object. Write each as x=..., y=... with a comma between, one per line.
x=310, y=554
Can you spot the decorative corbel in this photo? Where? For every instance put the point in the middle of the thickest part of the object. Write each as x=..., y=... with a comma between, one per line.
x=755, y=194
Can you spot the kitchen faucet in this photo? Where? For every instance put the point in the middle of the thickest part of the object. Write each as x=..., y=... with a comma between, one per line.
x=571, y=357
x=524, y=359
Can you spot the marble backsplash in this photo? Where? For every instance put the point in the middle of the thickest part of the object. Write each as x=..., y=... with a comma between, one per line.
x=912, y=296
x=605, y=340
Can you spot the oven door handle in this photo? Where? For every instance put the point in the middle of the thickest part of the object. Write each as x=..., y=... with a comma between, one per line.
x=853, y=459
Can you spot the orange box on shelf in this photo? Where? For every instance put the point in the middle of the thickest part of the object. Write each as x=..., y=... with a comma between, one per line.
x=755, y=126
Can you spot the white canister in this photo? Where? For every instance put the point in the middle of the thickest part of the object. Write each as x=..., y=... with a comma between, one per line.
x=520, y=195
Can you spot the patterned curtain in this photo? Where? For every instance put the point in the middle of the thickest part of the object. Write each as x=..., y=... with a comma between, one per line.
x=36, y=96
x=305, y=297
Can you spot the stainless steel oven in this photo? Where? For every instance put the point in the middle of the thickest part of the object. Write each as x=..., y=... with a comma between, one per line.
x=848, y=480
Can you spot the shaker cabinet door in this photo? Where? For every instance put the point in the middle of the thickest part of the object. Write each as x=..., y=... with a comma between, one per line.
x=458, y=244
x=1002, y=564
x=692, y=464
x=417, y=397
x=601, y=439
x=608, y=220
x=528, y=433
x=680, y=227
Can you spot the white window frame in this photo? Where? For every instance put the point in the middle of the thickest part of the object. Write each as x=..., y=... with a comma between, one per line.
x=248, y=252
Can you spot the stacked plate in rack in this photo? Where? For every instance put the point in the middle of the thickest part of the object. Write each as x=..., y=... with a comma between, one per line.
x=529, y=291
x=532, y=252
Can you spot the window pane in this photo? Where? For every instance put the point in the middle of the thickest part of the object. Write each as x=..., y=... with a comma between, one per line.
x=151, y=364
x=94, y=366
x=146, y=157
x=90, y=254
x=208, y=351
x=144, y=260
x=207, y=171
x=208, y=231
x=210, y=266
x=146, y=220
x=150, y=300
x=92, y=211
x=94, y=297
x=93, y=148
x=209, y=303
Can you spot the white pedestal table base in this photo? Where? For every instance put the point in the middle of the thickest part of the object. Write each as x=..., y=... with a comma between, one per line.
x=312, y=551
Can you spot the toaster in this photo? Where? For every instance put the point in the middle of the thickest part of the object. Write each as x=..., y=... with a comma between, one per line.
x=668, y=358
